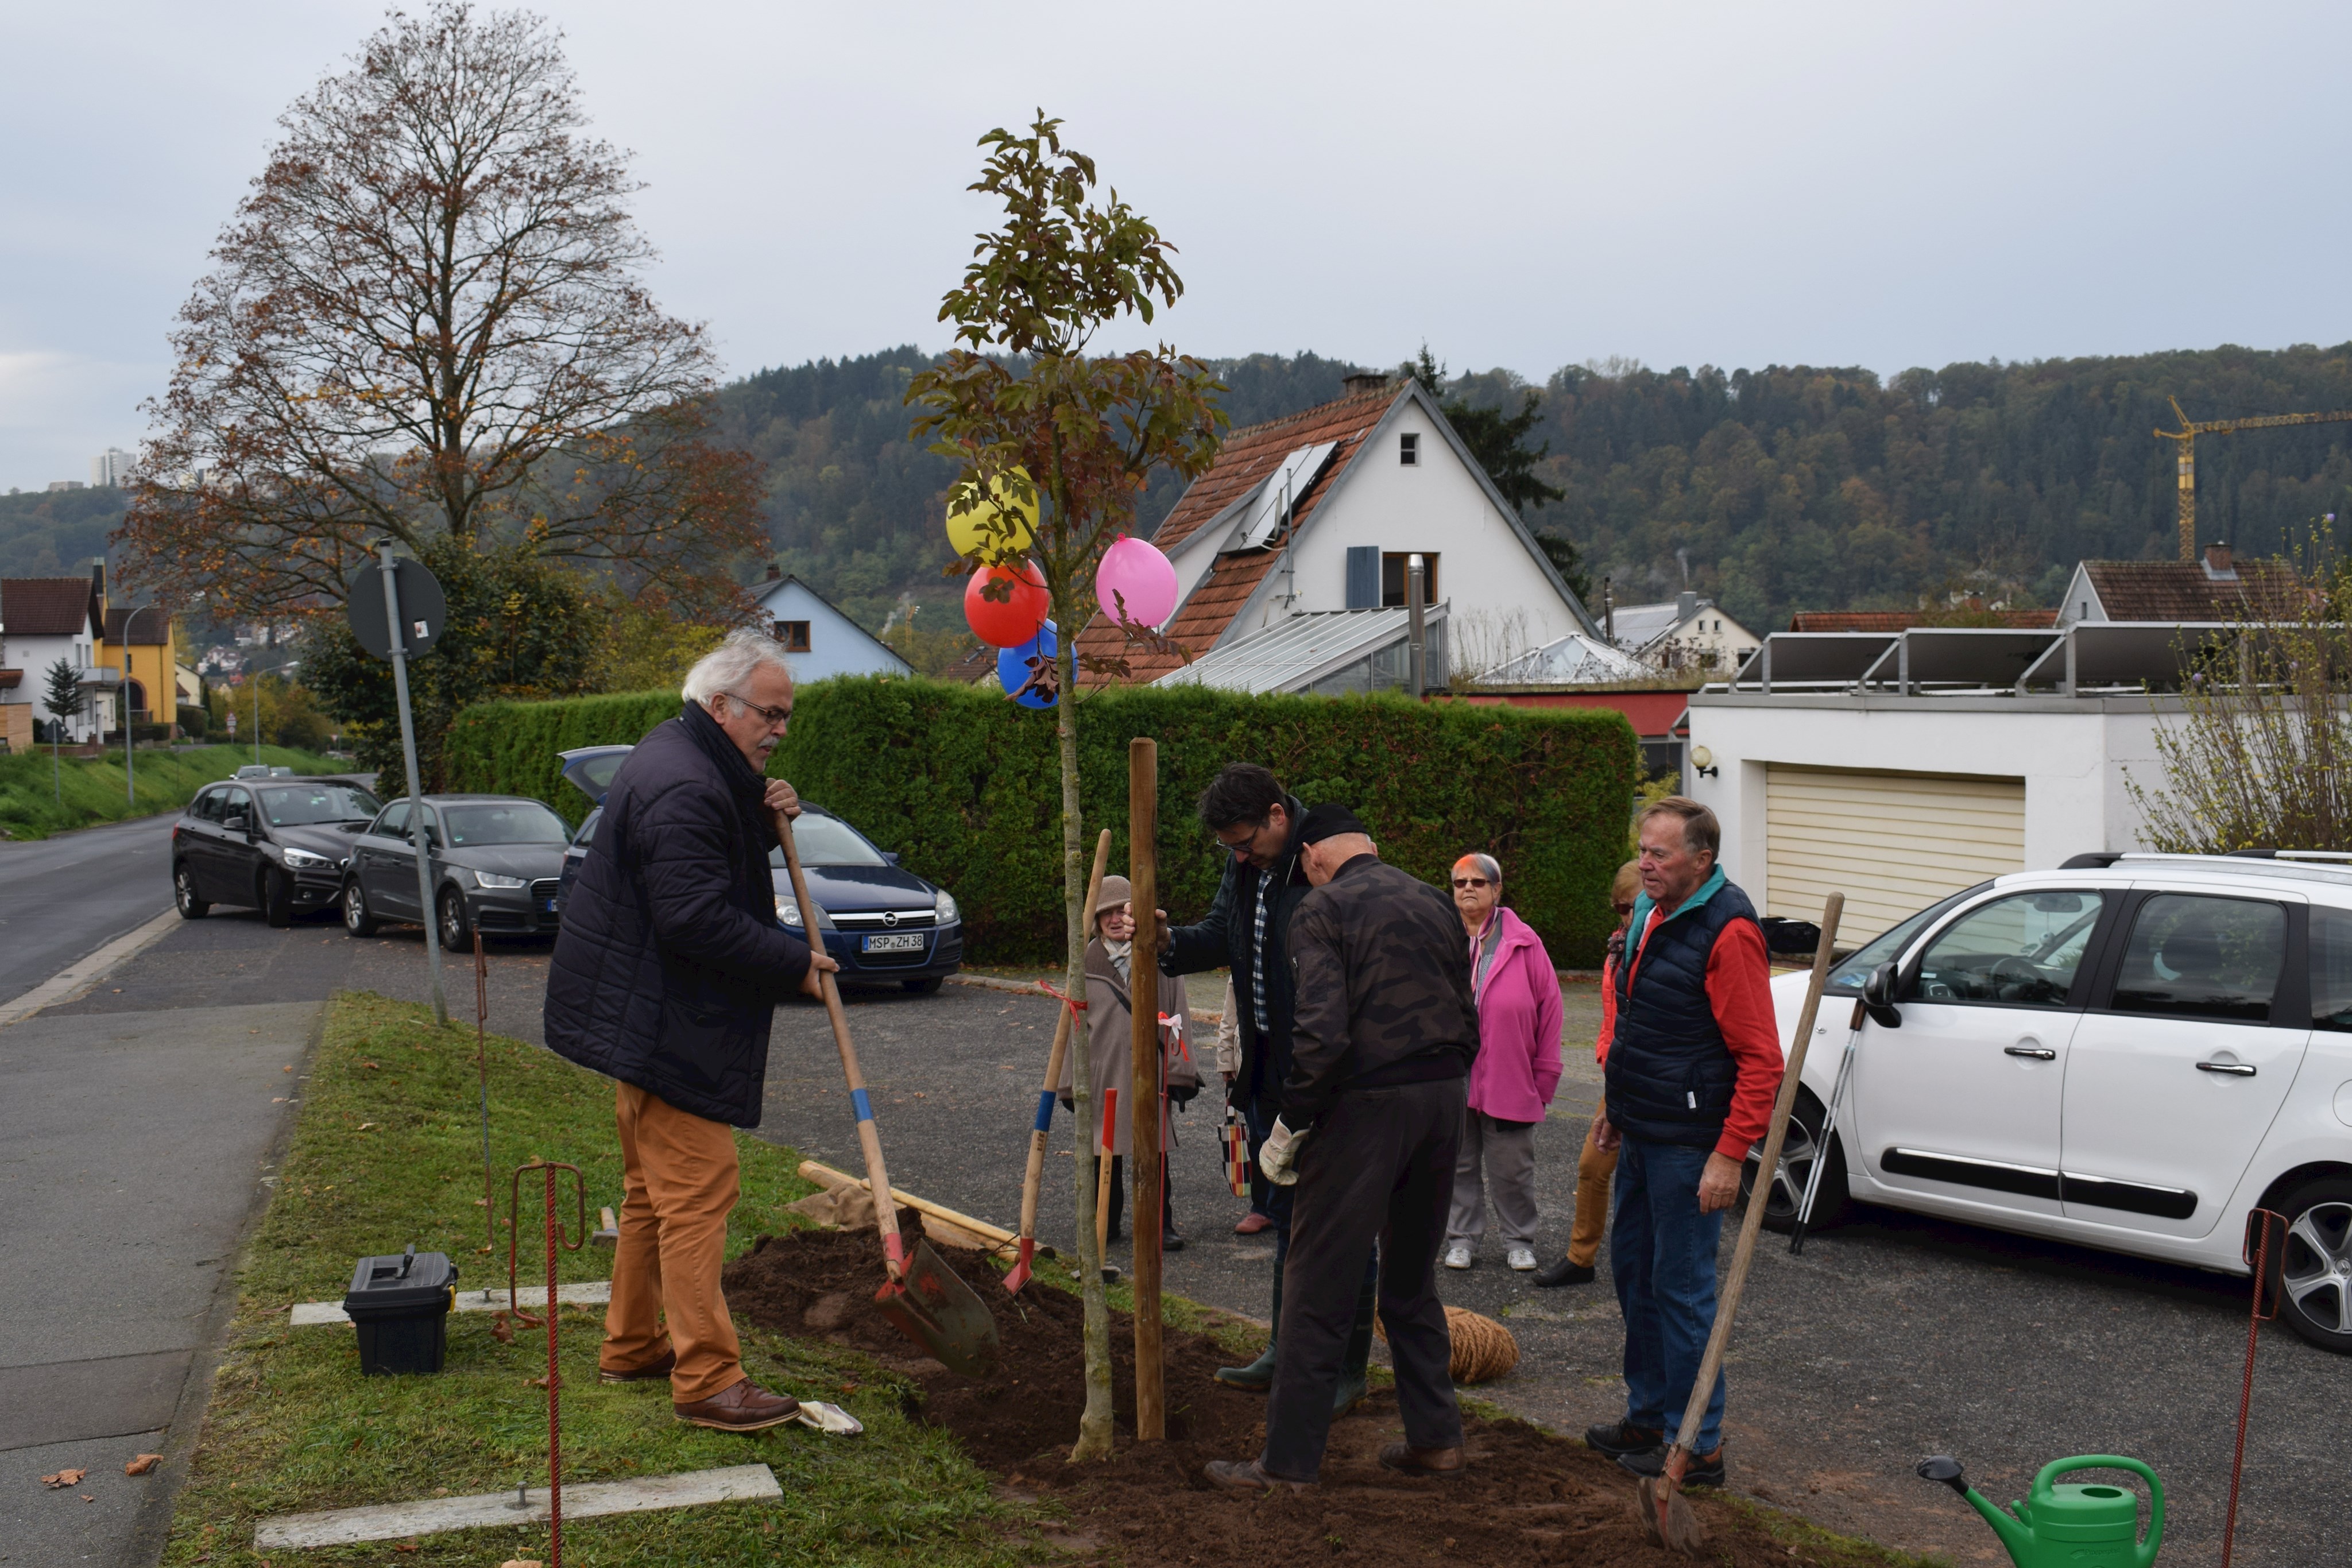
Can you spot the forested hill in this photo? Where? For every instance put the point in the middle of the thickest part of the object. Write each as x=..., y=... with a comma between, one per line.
x=1775, y=490
x=54, y=533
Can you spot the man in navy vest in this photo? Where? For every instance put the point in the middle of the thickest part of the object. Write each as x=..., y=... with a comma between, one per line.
x=1692, y=1075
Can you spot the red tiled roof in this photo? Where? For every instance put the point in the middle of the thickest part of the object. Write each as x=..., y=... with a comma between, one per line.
x=1904, y=619
x=2181, y=591
x=146, y=627
x=45, y=606
x=1246, y=458
x=974, y=667
x=11, y=679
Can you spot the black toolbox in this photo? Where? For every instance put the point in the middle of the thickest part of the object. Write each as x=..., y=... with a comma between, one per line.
x=400, y=1307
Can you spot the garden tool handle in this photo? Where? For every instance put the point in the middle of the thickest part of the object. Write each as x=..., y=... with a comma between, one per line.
x=1063, y=1027
x=2048, y=1473
x=1727, y=1306
x=878, y=1177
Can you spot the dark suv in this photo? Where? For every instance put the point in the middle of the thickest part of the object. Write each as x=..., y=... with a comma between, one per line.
x=278, y=846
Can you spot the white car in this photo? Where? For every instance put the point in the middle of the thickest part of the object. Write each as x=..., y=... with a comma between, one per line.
x=2132, y=1052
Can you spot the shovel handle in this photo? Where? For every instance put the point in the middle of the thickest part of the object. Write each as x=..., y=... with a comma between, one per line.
x=1034, y=1177
x=1727, y=1307
x=885, y=1208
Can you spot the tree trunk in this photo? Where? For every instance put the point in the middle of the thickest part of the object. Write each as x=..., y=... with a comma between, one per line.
x=1094, y=1424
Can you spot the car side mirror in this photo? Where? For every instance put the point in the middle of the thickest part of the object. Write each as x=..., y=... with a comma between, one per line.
x=236, y=823
x=890, y=856
x=1878, y=998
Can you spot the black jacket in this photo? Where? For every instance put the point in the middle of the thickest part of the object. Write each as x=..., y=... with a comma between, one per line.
x=1227, y=938
x=670, y=962
x=1384, y=993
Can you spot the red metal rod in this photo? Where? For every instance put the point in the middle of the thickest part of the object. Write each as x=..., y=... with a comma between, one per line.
x=554, y=1406
x=482, y=1060
x=2262, y=1218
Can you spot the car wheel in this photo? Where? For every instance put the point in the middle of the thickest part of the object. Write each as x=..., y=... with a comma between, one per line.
x=1799, y=1150
x=273, y=894
x=183, y=894
x=924, y=986
x=2310, y=1272
x=358, y=920
x=456, y=935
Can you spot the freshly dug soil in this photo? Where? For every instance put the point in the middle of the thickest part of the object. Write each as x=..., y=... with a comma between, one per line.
x=1528, y=1497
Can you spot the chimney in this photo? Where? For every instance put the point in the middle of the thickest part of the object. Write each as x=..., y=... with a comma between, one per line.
x=1364, y=382
x=774, y=571
x=2218, y=564
x=1685, y=606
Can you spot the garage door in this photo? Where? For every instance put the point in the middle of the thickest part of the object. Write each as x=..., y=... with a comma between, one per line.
x=1894, y=842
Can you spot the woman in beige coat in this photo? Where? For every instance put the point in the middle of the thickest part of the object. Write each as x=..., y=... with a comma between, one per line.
x=1111, y=1040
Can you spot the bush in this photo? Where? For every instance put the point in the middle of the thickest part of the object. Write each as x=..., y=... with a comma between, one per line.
x=965, y=786
x=193, y=721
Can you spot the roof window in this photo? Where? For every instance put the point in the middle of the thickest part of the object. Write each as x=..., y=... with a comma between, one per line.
x=1409, y=449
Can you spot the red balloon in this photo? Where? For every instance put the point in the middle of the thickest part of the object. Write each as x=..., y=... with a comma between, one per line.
x=1011, y=621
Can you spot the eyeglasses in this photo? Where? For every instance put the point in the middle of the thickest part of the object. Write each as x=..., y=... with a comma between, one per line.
x=1624, y=908
x=1471, y=882
x=776, y=716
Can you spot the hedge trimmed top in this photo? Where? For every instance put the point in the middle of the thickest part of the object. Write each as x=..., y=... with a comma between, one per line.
x=966, y=786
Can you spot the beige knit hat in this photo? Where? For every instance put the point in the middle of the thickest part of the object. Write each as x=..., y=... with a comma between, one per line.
x=1116, y=890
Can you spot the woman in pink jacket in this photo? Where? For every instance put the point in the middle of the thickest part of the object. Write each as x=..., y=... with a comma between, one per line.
x=1513, y=1078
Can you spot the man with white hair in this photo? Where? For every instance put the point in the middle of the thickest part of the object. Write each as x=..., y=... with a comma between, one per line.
x=665, y=979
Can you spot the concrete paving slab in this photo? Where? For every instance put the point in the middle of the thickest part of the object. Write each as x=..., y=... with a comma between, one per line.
x=44, y=1529
x=66, y=1400
x=430, y=1516
x=580, y=1293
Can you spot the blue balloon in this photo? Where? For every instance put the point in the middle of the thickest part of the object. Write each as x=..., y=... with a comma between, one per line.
x=1012, y=666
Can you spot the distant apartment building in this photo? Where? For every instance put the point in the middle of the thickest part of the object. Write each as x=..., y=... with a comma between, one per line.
x=56, y=484
x=110, y=468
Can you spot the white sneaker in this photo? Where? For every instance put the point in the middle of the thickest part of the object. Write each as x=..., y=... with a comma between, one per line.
x=1458, y=1256
x=1523, y=1259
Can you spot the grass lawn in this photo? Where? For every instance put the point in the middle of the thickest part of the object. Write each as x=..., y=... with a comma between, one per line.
x=92, y=788
x=387, y=1150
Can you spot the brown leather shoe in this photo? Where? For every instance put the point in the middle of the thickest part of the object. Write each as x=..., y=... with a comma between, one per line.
x=743, y=1406
x=660, y=1368
x=1252, y=1223
x=1246, y=1475
x=1415, y=1461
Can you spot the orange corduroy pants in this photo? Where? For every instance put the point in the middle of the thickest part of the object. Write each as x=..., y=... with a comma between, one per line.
x=679, y=1182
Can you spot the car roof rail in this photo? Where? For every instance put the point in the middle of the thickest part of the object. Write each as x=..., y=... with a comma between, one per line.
x=2338, y=856
x=2090, y=859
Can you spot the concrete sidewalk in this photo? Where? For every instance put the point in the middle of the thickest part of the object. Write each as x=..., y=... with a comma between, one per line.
x=134, y=1147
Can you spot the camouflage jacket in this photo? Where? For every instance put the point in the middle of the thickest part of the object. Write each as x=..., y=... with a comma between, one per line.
x=1382, y=973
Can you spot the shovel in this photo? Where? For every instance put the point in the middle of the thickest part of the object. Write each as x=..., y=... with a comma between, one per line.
x=925, y=1298
x=1018, y=1275
x=1666, y=1519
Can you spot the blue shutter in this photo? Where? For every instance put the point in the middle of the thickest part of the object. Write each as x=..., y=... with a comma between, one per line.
x=1363, y=577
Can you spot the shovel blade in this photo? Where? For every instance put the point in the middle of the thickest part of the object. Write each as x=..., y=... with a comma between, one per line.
x=933, y=1307
x=1018, y=1275
x=1667, y=1516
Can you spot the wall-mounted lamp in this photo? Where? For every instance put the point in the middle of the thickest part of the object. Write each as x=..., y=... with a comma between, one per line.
x=1703, y=762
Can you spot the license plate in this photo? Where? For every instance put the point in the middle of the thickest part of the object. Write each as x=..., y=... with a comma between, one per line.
x=547, y=906
x=895, y=942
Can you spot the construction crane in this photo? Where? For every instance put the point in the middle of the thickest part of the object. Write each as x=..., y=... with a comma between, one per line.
x=2190, y=429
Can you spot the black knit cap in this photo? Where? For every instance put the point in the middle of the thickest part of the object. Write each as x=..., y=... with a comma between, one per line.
x=1328, y=821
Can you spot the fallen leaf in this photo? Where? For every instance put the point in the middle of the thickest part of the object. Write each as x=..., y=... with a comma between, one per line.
x=404, y=1546
x=363, y=1126
x=286, y=1069
x=280, y=1098
x=368, y=1064
x=140, y=1464
x=63, y=1479
x=87, y=1497
x=538, y=1382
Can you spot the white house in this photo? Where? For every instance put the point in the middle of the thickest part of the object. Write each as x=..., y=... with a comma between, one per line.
x=43, y=620
x=1316, y=515
x=1685, y=632
x=820, y=639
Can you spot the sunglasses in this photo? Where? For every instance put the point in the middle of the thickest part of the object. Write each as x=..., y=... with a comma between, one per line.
x=1471, y=882
x=1624, y=909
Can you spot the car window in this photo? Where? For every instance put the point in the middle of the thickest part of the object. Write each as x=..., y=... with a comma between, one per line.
x=207, y=807
x=587, y=832
x=235, y=801
x=295, y=807
x=394, y=823
x=2196, y=957
x=2019, y=951
x=1884, y=948
x=828, y=840
x=479, y=825
x=2331, y=970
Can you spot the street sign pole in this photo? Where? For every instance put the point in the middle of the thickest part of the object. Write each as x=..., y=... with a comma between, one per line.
x=415, y=786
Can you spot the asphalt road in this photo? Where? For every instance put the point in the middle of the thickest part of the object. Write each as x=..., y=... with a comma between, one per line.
x=62, y=897
x=1890, y=1338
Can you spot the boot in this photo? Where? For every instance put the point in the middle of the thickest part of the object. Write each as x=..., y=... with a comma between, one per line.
x=1259, y=1376
x=1354, y=1381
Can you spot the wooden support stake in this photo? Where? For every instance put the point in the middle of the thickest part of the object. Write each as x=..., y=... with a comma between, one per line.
x=1150, y=1084
x=1107, y=1140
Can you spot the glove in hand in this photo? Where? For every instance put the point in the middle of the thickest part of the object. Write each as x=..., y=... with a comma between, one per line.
x=1278, y=1157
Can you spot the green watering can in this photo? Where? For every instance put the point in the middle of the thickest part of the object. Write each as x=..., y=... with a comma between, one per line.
x=2069, y=1526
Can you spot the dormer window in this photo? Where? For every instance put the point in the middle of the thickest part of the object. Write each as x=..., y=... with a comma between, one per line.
x=793, y=635
x=1409, y=449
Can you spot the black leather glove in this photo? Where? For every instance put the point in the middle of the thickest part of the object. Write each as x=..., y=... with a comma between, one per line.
x=1068, y=1103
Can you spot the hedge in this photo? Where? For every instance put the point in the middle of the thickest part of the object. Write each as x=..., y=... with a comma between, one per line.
x=967, y=787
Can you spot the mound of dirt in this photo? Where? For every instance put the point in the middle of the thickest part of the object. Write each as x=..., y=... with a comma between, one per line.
x=1528, y=1497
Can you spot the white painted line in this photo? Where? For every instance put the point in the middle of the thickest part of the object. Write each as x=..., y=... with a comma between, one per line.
x=77, y=976
x=398, y=1520
x=586, y=1293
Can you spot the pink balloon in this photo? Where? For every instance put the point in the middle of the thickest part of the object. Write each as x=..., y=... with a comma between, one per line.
x=1135, y=573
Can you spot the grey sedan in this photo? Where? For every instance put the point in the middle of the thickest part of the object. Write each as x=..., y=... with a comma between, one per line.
x=493, y=864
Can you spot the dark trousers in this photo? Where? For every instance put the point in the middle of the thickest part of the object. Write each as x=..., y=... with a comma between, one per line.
x=1378, y=1167
x=1119, y=1194
x=1662, y=1253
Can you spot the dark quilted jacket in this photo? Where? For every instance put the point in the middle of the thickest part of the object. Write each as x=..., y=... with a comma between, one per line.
x=1670, y=1075
x=1227, y=938
x=670, y=962
x=1383, y=983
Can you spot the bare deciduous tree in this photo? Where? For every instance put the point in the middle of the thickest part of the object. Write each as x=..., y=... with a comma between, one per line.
x=429, y=317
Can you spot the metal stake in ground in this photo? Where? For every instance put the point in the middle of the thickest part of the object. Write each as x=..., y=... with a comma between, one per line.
x=482, y=1060
x=1148, y=1169
x=2261, y=1226
x=1018, y=1275
x=554, y=1373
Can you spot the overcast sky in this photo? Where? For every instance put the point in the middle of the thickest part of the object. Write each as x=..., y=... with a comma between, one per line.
x=1520, y=185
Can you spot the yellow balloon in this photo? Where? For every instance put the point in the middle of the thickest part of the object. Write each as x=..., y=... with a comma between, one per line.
x=973, y=523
